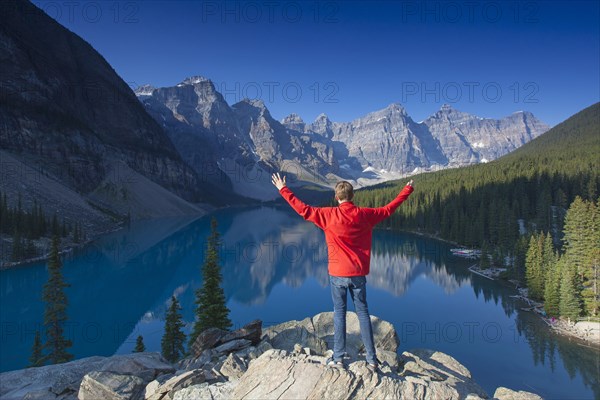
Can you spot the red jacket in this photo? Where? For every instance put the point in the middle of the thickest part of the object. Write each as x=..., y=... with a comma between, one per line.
x=348, y=230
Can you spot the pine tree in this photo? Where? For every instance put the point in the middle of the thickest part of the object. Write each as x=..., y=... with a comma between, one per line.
x=211, y=310
x=581, y=244
x=55, y=313
x=552, y=288
x=173, y=338
x=591, y=263
x=139, y=345
x=570, y=293
x=533, y=267
x=36, y=351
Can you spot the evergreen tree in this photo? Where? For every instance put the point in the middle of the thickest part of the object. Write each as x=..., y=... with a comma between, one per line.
x=36, y=351
x=55, y=313
x=173, y=338
x=552, y=288
x=570, y=293
x=533, y=267
x=591, y=263
x=211, y=310
x=581, y=245
x=139, y=345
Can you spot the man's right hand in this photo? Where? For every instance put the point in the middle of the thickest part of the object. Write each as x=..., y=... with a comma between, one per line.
x=277, y=181
x=410, y=183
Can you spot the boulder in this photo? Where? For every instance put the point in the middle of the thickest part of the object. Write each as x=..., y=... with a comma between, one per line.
x=251, y=331
x=435, y=367
x=278, y=374
x=384, y=334
x=164, y=389
x=146, y=366
x=232, y=346
x=63, y=380
x=503, y=393
x=286, y=335
x=217, y=391
x=192, y=362
x=233, y=367
x=261, y=348
x=110, y=386
x=207, y=339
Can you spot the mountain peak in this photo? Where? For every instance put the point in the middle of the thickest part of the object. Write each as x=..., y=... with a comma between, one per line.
x=396, y=107
x=447, y=108
x=293, y=118
x=192, y=80
x=322, y=117
x=258, y=103
x=144, y=90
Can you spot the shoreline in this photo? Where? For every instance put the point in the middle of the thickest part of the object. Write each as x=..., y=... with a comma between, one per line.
x=558, y=325
x=66, y=250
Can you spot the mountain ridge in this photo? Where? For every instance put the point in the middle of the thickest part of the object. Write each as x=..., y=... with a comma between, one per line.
x=378, y=146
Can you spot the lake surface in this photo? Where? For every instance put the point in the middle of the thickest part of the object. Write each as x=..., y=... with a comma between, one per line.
x=275, y=269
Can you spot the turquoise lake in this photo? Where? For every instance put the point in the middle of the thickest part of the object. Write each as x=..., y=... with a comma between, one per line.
x=274, y=268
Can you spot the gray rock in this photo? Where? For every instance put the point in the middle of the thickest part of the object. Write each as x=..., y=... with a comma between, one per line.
x=207, y=339
x=503, y=393
x=276, y=374
x=204, y=391
x=286, y=336
x=110, y=386
x=232, y=346
x=192, y=362
x=163, y=390
x=143, y=365
x=390, y=358
x=251, y=331
x=384, y=334
x=261, y=348
x=65, y=379
x=233, y=367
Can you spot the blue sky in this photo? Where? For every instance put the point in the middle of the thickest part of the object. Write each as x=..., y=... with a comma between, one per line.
x=348, y=58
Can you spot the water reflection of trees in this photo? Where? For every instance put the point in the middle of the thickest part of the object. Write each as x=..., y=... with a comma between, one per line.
x=578, y=358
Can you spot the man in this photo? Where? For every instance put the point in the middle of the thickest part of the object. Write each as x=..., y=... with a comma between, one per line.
x=348, y=230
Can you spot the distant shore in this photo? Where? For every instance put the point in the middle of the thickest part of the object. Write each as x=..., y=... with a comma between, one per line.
x=587, y=331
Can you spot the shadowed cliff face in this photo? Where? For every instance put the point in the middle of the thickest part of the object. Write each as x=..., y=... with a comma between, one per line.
x=64, y=107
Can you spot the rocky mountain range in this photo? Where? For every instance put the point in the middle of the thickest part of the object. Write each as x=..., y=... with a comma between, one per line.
x=247, y=143
x=73, y=136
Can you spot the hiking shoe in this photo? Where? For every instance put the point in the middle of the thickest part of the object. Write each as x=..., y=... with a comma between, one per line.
x=333, y=363
x=373, y=367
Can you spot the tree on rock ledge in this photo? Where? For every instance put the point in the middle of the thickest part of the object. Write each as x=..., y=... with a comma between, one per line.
x=211, y=310
x=55, y=314
x=139, y=345
x=173, y=338
x=36, y=351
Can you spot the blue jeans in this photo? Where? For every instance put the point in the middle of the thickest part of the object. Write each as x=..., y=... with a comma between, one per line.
x=358, y=292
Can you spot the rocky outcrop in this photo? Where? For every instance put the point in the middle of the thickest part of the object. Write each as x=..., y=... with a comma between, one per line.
x=123, y=375
x=503, y=393
x=260, y=371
